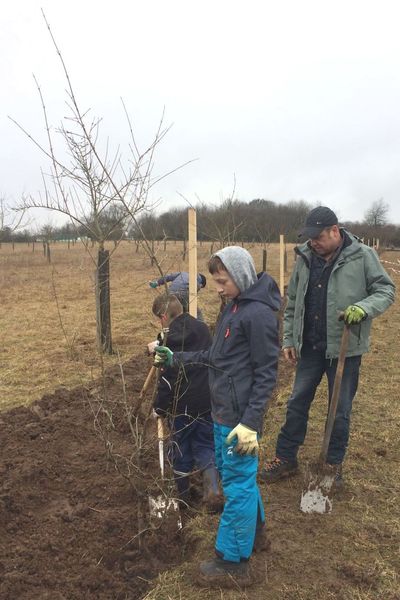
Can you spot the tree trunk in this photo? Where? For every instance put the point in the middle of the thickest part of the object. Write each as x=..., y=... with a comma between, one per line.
x=103, y=312
x=264, y=268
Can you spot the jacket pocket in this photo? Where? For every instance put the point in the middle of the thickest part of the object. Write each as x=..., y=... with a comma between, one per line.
x=232, y=392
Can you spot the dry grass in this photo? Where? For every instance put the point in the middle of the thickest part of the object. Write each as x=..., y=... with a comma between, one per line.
x=40, y=301
x=351, y=554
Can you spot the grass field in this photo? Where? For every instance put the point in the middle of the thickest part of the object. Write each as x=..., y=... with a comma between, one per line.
x=351, y=554
x=47, y=321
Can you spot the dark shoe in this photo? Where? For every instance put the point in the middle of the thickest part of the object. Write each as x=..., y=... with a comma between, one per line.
x=212, y=496
x=278, y=469
x=338, y=482
x=224, y=573
x=262, y=542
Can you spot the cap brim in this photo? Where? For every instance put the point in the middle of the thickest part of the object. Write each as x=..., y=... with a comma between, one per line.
x=310, y=232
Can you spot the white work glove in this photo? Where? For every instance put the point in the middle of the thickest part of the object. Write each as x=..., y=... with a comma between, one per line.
x=151, y=347
x=247, y=443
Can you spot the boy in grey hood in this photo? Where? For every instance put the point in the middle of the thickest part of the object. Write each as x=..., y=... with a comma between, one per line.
x=242, y=368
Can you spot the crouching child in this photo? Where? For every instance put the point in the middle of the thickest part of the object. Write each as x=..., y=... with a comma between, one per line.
x=183, y=397
x=242, y=369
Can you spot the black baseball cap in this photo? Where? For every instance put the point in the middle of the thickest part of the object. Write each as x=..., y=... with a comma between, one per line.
x=317, y=220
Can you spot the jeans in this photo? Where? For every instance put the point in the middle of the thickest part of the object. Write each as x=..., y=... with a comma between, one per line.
x=310, y=369
x=192, y=443
x=243, y=508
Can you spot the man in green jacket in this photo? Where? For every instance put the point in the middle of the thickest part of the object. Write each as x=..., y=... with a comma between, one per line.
x=335, y=275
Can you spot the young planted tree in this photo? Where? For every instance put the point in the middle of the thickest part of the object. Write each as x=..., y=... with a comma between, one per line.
x=89, y=184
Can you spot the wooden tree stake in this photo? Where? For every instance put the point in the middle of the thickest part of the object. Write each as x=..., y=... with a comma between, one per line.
x=192, y=262
x=282, y=264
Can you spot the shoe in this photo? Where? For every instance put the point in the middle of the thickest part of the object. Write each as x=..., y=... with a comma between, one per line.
x=277, y=469
x=338, y=481
x=223, y=573
x=262, y=543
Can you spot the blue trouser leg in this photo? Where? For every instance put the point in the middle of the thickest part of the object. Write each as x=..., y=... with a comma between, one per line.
x=341, y=428
x=237, y=526
x=309, y=372
x=180, y=451
x=192, y=443
x=311, y=367
x=202, y=442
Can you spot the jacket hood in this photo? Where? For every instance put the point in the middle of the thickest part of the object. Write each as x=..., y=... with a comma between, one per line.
x=240, y=265
x=265, y=290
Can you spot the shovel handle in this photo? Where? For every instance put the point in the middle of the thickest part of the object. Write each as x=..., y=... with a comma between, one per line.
x=147, y=382
x=335, y=394
x=160, y=428
x=160, y=436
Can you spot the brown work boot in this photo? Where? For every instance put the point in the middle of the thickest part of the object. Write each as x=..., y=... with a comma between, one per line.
x=277, y=469
x=223, y=573
x=212, y=496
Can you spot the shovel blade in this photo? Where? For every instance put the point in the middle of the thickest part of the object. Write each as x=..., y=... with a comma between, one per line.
x=317, y=496
x=161, y=506
x=315, y=501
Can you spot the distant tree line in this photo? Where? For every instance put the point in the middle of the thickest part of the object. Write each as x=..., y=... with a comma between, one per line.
x=258, y=221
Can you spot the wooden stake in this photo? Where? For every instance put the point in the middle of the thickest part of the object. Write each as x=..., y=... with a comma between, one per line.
x=192, y=262
x=282, y=264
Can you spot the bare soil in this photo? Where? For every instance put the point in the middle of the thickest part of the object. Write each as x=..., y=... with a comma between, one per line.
x=68, y=520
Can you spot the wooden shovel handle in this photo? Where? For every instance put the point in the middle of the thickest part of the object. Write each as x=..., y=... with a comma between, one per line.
x=335, y=394
x=160, y=428
x=147, y=382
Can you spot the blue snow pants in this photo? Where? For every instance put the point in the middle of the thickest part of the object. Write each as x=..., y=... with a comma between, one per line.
x=243, y=503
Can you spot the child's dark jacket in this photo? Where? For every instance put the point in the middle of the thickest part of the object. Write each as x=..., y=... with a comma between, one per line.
x=243, y=358
x=185, y=389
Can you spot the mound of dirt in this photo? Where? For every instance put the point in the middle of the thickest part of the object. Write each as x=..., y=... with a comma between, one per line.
x=68, y=519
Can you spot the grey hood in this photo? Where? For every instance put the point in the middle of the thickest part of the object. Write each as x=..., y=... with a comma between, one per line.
x=240, y=265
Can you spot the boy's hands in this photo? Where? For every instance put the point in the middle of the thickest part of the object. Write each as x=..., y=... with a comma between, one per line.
x=354, y=314
x=163, y=356
x=247, y=443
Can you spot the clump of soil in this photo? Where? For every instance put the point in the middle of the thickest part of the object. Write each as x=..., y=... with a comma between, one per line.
x=68, y=519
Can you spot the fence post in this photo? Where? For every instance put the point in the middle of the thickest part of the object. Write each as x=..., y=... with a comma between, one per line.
x=192, y=234
x=282, y=264
x=285, y=260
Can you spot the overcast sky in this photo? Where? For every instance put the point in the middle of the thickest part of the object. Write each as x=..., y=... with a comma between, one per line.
x=293, y=99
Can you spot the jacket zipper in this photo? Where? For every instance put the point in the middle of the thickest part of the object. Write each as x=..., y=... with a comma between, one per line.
x=232, y=391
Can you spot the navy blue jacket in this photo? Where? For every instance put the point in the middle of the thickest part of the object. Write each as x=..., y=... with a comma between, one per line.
x=243, y=358
x=184, y=389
